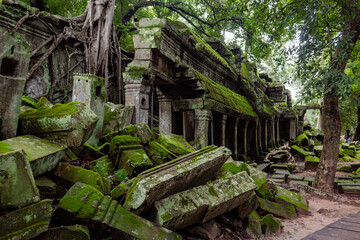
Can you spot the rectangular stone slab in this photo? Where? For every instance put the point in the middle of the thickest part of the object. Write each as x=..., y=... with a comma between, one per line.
x=42, y=154
x=83, y=203
x=178, y=175
x=17, y=185
x=26, y=222
x=204, y=202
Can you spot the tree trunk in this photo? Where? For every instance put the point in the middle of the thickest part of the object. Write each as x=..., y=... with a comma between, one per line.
x=357, y=131
x=325, y=174
x=319, y=121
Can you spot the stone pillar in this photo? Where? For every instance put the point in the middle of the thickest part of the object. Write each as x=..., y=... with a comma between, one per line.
x=258, y=131
x=273, y=142
x=236, y=129
x=11, y=92
x=257, y=140
x=137, y=95
x=265, y=135
x=245, y=138
x=292, y=129
x=278, y=140
x=202, y=120
x=223, y=129
x=165, y=112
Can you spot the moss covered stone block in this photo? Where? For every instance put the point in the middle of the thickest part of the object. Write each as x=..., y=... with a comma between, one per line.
x=231, y=168
x=121, y=143
x=75, y=232
x=71, y=124
x=140, y=131
x=254, y=225
x=117, y=117
x=344, y=169
x=158, y=154
x=270, y=225
x=121, y=189
x=42, y=155
x=47, y=188
x=285, y=196
x=284, y=166
x=83, y=203
x=311, y=163
x=278, y=209
x=299, y=151
x=26, y=222
x=250, y=205
x=134, y=162
x=302, y=140
x=103, y=166
x=68, y=175
x=204, y=202
x=175, y=176
x=175, y=143
x=17, y=184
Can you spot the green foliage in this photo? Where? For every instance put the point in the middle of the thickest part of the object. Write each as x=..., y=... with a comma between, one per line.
x=120, y=175
x=66, y=8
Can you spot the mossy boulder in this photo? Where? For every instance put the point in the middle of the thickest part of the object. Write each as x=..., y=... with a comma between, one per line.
x=85, y=204
x=158, y=154
x=42, y=154
x=266, y=189
x=175, y=143
x=285, y=196
x=68, y=175
x=278, y=209
x=134, y=161
x=140, y=131
x=103, y=166
x=17, y=184
x=116, y=117
x=47, y=188
x=270, y=225
x=71, y=124
x=299, y=151
x=311, y=162
x=26, y=222
x=121, y=189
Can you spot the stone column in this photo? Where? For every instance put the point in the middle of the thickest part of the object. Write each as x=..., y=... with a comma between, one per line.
x=165, y=113
x=223, y=129
x=257, y=140
x=273, y=142
x=202, y=120
x=278, y=140
x=292, y=128
x=236, y=129
x=258, y=132
x=265, y=135
x=137, y=95
x=245, y=138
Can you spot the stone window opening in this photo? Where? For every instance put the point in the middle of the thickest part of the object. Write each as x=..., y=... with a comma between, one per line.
x=8, y=67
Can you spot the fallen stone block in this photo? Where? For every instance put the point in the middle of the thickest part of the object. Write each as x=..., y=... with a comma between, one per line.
x=311, y=163
x=103, y=166
x=117, y=117
x=295, y=177
x=180, y=174
x=230, y=168
x=283, y=166
x=134, y=162
x=281, y=171
x=75, y=232
x=42, y=155
x=11, y=90
x=47, y=188
x=121, y=143
x=266, y=189
x=204, y=202
x=175, y=143
x=270, y=225
x=299, y=151
x=71, y=124
x=85, y=204
x=158, y=154
x=285, y=196
x=351, y=191
x=17, y=184
x=278, y=209
x=250, y=205
x=68, y=175
x=254, y=225
x=302, y=140
x=26, y=222
x=141, y=131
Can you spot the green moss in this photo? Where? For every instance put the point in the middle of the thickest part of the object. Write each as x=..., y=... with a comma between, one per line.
x=175, y=143
x=284, y=195
x=30, y=101
x=300, y=151
x=5, y=147
x=313, y=159
x=212, y=191
x=270, y=224
x=225, y=96
x=233, y=168
x=58, y=110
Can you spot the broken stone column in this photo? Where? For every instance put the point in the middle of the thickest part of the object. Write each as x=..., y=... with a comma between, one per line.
x=202, y=203
x=137, y=95
x=265, y=135
x=42, y=155
x=278, y=140
x=116, y=117
x=71, y=124
x=273, y=142
x=202, y=120
x=90, y=89
x=107, y=218
x=11, y=91
x=293, y=129
x=178, y=175
x=26, y=222
x=165, y=112
x=17, y=185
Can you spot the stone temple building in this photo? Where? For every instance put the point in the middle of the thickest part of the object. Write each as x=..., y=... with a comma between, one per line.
x=177, y=82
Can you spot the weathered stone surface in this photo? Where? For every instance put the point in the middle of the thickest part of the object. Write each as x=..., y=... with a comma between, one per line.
x=103, y=166
x=141, y=131
x=90, y=90
x=204, y=202
x=254, y=225
x=75, y=232
x=71, y=124
x=47, y=188
x=295, y=177
x=158, y=154
x=230, y=168
x=68, y=175
x=269, y=224
x=116, y=117
x=17, y=185
x=121, y=143
x=26, y=222
x=299, y=151
x=11, y=90
x=285, y=196
x=302, y=139
x=175, y=143
x=250, y=205
x=42, y=155
x=277, y=209
x=83, y=203
x=178, y=175
x=284, y=166
x=311, y=163
x=134, y=161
